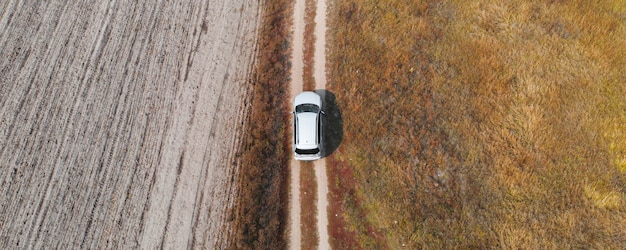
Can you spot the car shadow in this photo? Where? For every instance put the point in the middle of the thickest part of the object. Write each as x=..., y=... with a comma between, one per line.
x=332, y=123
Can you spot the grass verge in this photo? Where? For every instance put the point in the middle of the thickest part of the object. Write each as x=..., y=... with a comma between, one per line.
x=308, y=83
x=261, y=209
x=308, y=208
x=477, y=124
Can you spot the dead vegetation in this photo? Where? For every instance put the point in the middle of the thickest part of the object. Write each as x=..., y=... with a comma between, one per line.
x=308, y=214
x=474, y=124
x=308, y=81
x=261, y=209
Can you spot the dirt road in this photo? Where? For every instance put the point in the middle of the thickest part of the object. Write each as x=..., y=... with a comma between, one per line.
x=319, y=68
x=320, y=83
x=297, y=66
x=119, y=120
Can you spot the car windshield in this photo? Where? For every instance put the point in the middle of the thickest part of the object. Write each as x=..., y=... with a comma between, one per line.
x=307, y=107
x=307, y=151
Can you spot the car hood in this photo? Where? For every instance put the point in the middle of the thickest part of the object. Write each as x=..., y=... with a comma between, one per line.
x=307, y=97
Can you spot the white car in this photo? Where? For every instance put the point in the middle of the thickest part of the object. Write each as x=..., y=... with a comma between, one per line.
x=307, y=126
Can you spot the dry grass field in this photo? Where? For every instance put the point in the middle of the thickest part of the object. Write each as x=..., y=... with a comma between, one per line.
x=120, y=121
x=479, y=124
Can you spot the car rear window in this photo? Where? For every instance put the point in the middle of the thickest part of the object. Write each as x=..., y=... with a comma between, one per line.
x=307, y=151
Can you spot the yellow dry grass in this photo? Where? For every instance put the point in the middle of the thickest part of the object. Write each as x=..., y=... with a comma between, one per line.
x=475, y=124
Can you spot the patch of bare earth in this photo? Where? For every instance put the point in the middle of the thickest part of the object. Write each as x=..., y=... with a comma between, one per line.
x=119, y=121
x=297, y=62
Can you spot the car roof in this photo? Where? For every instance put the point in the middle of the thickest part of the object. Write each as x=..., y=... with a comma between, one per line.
x=307, y=131
x=307, y=97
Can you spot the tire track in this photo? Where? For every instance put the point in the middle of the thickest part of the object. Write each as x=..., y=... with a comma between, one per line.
x=297, y=66
x=321, y=177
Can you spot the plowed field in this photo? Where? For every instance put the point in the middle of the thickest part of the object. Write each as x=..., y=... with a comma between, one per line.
x=119, y=120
